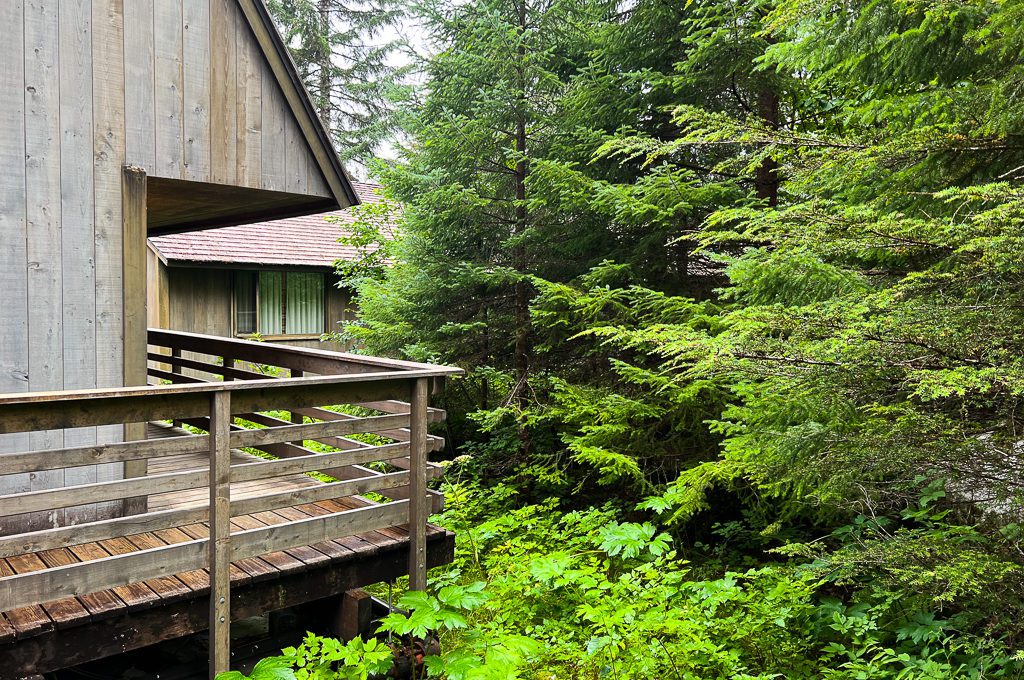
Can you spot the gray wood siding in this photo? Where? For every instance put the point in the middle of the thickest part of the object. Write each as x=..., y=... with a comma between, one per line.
x=14, y=331
x=62, y=147
x=201, y=94
x=198, y=300
x=88, y=86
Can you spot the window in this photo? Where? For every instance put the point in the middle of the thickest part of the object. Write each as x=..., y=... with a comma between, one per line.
x=279, y=303
x=245, y=302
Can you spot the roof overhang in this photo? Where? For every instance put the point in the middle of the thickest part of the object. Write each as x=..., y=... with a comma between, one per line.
x=176, y=205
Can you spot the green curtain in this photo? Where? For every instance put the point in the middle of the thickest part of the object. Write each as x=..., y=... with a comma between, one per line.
x=245, y=302
x=270, y=303
x=305, y=312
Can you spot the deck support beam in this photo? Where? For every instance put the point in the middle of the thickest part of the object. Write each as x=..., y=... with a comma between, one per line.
x=135, y=342
x=419, y=506
x=220, y=533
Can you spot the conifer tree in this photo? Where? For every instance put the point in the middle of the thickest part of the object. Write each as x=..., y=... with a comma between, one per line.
x=352, y=58
x=480, y=219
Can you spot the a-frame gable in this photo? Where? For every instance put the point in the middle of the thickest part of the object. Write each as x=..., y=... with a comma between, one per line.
x=212, y=96
x=288, y=79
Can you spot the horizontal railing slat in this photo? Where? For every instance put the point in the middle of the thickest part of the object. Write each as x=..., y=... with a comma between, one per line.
x=282, y=355
x=433, y=443
x=320, y=461
x=80, y=408
x=100, y=530
x=53, y=459
x=84, y=494
x=317, y=529
x=324, y=492
x=154, y=521
x=89, y=577
x=287, y=433
x=434, y=415
x=69, y=496
x=24, y=590
x=205, y=367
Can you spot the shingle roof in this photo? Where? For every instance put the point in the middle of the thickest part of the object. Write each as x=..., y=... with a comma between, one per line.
x=309, y=241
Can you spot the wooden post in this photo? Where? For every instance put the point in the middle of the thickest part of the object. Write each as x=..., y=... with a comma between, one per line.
x=419, y=504
x=220, y=533
x=134, y=225
x=176, y=369
x=296, y=417
x=176, y=353
x=229, y=363
x=355, y=614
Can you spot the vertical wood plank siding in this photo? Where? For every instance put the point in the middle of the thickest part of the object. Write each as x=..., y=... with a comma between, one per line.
x=275, y=175
x=168, y=52
x=196, y=28
x=109, y=154
x=78, y=238
x=214, y=96
x=223, y=91
x=139, y=84
x=178, y=87
x=43, y=201
x=14, y=339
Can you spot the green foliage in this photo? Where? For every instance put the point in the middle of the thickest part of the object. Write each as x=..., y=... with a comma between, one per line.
x=370, y=231
x=354, y=64
x=738, y=289
x=271, y=668
x=320, y=658
x=599, y=597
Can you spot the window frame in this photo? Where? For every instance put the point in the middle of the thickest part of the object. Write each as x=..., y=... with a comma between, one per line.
x=255, y=274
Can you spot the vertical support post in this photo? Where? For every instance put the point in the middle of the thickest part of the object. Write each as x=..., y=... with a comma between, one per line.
x=176, y=353
x=419, y=504
x=134, y=225
x=176, y=369
x=296, y=418
x=220, y=533
x=229, y=363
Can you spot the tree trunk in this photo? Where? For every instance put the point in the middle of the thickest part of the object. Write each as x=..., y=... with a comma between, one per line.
x=324, y=63
x=519, y=254
x=519, y=259
x=766, y=179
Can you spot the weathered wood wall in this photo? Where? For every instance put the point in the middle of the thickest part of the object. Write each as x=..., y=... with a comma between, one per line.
x=61, y=151
x=200, y=300
x=179, y=87
x=200, y=97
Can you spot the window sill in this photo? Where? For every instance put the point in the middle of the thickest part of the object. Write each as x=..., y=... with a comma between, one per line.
x=273, y=338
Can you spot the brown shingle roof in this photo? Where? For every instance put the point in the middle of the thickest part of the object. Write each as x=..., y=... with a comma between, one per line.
x=309, y=241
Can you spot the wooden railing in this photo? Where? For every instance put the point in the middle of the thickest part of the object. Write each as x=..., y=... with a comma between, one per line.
x=215, y=385
x=188, y=358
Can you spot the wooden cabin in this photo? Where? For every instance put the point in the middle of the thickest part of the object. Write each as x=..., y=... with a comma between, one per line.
x=157, y=483
x=273, y=280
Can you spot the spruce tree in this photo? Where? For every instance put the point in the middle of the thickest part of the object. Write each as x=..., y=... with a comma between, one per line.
x=479, y=216
x=354, y=61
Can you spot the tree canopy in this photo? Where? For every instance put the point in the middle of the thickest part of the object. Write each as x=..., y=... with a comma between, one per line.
x=739, y=290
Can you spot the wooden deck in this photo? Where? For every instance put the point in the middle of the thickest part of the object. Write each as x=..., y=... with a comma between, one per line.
x=56, y=634
x=198, y=461
x=200, y=532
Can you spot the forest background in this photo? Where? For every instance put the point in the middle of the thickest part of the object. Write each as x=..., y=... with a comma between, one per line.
x=739, y=290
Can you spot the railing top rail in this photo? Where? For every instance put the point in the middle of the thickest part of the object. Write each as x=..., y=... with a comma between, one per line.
x=218, y=343
x=270, y=384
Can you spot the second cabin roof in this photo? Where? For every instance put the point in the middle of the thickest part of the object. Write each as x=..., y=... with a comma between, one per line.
x=306, y=241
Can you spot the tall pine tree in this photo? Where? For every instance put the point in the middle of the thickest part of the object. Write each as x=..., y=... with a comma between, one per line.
x=355, y=63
